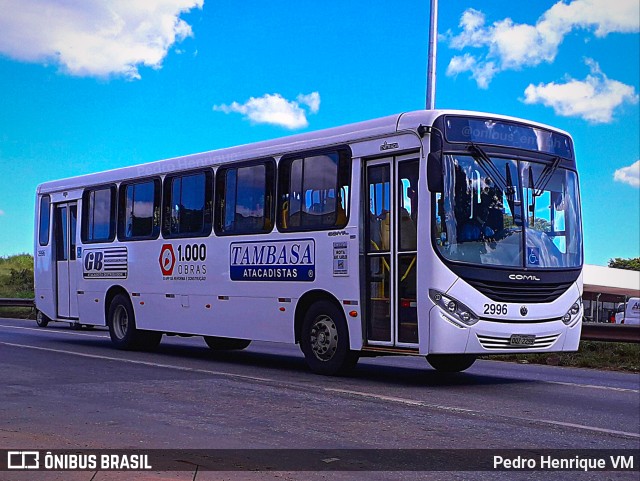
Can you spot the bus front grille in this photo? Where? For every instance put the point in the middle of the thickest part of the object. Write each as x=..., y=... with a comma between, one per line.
x=494, y=342
x=529, y=293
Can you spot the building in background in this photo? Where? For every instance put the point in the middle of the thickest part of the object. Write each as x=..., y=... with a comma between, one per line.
x=605, y=288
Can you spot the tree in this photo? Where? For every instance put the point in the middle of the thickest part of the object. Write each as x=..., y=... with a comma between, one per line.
x=21, y=280
x=631, y=264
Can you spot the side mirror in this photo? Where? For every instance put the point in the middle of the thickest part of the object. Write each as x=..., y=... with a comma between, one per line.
x=434, y=172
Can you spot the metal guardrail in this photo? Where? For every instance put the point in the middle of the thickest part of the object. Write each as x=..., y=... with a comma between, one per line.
x=610, y=332
x=17, y=303
x=590, y=331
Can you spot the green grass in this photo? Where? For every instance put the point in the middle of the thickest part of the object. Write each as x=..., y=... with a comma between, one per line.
x=17, y=312
x=16, y=281
x=16, y=276
x=613, y=356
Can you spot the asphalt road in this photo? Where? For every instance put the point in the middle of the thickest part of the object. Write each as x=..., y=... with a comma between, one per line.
x=67, y=389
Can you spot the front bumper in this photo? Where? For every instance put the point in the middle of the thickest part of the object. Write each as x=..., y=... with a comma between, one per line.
x=491, y=337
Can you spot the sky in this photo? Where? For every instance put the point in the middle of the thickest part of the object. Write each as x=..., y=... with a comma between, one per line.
x=90, y=85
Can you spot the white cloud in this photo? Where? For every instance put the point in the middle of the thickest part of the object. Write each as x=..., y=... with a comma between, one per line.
x=311, y=100
x=629, y=175
x=1, y=212
x=482, y=73
x=93, y=37
x=511, y=46
x=593, y=99
x=275, y=109
x=606, y=16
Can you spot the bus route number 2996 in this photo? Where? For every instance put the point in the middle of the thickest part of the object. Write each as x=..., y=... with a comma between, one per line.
x=496, y=309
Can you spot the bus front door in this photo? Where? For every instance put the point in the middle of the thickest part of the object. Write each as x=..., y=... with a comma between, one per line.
x=65, y=221
x=391, y=251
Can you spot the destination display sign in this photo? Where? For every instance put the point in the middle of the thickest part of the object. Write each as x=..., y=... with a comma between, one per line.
x=507, y=134
x=293, y=260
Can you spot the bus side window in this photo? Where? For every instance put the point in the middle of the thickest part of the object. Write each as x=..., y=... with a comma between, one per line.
x=139, y=210
x=314, y=191
x=99, y=214
x=244, y=198
x=45, y=220
x=187, y=204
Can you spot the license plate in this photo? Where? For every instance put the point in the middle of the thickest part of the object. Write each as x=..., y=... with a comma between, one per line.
x=522, y=340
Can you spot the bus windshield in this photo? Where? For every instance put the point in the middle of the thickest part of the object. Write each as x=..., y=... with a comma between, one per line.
x=508, y=212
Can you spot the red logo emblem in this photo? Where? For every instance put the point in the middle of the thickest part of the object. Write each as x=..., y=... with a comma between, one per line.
x=167, y=259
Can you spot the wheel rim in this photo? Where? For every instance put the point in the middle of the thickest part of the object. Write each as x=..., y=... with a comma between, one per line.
x=120, y=322
x=324, y=338
x=39, y=318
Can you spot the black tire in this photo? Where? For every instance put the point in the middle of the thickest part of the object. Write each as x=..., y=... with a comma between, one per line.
x=41, y=319
x=122, y=327
x=149, y=340
x=226, y=343
x=325, y=340
x=451, y=362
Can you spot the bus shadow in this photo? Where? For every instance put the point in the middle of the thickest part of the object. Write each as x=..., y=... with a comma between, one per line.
x=365, y=371
x=289, y=363
x=427, y=377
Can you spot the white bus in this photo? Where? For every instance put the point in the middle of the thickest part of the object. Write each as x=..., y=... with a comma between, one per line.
x=439, y=233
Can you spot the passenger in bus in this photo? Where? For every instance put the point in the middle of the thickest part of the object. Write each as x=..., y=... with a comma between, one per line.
x=408, y=231
x=385, y=226
x=487, y=214
x=491, y=208
x=407, y=220
x=375, y=232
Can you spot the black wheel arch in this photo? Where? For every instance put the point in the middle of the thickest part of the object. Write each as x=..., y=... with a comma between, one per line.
x=112, y=292
x=306, y=301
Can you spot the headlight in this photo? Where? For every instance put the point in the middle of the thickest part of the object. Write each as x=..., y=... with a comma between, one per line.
x=573, y=314
x=453, y=309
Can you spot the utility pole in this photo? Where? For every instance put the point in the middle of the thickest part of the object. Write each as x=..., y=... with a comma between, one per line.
x=431, y=65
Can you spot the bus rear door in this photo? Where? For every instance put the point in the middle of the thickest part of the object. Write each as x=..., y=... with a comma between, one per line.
x=65, y=222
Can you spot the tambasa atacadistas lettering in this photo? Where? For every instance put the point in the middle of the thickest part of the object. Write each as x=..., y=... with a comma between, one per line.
x=285, y=254
x=293, y=260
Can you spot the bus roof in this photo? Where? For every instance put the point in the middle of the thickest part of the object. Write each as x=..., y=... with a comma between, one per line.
x=345, y=134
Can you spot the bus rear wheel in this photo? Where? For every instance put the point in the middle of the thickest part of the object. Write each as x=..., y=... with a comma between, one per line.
x=226, y=343
x=451, y=362
x=122, y=327
x=41, y=319
x=325, y=340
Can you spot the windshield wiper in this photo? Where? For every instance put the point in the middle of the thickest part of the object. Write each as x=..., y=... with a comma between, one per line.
x=545, y=177
x=514, y=205
x=487, y=164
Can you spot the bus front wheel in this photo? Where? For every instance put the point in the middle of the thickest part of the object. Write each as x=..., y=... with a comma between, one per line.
x=122, y=327
x=451, y=362
x=325, y=340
